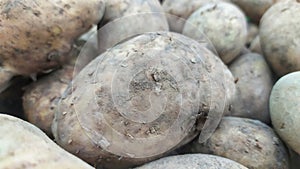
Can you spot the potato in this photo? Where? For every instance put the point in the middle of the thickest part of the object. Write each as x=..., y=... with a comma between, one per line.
x=284, y=109
x=254, y=8
x=280, y=37
x=254, y=84
x=179, y=10
x=37, y=35
x=41, y=97
x=252, y=33
x=223, y=24
x=142, y=99
x=23, y=146
x=248, y=142
x=124, y=19
x=193, y=161
x=255, y=46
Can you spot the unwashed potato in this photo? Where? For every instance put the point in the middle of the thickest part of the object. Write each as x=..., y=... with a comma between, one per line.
x=193, y=161
x=179, y=10
x=252, y=33
x=24, y=146
x=280, y=37
x=255, y=45
x=284, y=109
x=142, y=99
x=41, y=97
x=254, y=8
x=223, y=24
x=37, y=35
x=248, y=142
x=124, y=19
x=254, y=84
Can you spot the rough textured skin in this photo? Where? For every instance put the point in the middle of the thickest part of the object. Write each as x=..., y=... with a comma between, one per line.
x=36, y=35
x=138, y=90
x=179, y=10
x=280, y=37
x=254, y=8
x=255, y=46
x=193, y=161
x=224, y=25
x=41, y=97
x=254, y=84
x=284, y=109
x=127, y=18
x=248, y=142
x=24, y=146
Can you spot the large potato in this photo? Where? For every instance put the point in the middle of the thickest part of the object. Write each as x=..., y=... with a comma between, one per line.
x=284, y=109
x=248, y=142
x=193, y=161
x=141, y=99
x=280, y=37
x=42, y=96
x=24, y=146
x=254, y=84
x=37, y=35
x=224, y=25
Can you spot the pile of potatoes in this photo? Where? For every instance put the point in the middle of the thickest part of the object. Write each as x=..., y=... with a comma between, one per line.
x=118, y=84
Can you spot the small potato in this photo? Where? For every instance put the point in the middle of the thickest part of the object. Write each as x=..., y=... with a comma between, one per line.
x=41, y=97
x=224, y=25
x=193, y=161
x=248, y=142
x=280, y=37
x=255, y=46
x=24, y=146
x=252, y=33
x=254, y=83
x=141, y=99
x=284, y=109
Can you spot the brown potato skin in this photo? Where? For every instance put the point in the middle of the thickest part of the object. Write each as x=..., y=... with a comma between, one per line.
x=254, y=84
x=279, y=37
x=74, y=124
x=37, y=35
x=248, y=142
x=24, y=146
x=41, y=97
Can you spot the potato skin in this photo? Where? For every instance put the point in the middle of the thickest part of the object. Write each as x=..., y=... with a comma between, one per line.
x=37, y=35
x=279, y=37
x=40, y=98
x=284, y=109
x=248, y=142
x=225, y=26
x=254, y=84
x=24, y=146
x=88, y=106
x=193, y=161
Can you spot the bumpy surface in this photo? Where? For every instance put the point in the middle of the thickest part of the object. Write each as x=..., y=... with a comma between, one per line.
x=24, y=146
x=141, y=99
x=248, y=142
x=193, y=161
x=284, y=109
x=224, y=25
x=254, y=84
x=280, y=37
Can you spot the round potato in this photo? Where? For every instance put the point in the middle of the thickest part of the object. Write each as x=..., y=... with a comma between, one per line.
x=254, y=84
x=284, y=109
x=23, y=145
x=248, y=142
x=193, y=161
x=255, y=46
x=142, y=99
x=224, y=25
x=280, y=37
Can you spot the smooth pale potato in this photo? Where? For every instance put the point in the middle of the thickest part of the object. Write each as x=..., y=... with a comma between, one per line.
x=223, y=24
x=254, y=84
x=280, y=37
x=248, y=142
x=193, y=161
x=24, y=146
x=284, y=109
x=182, y=79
